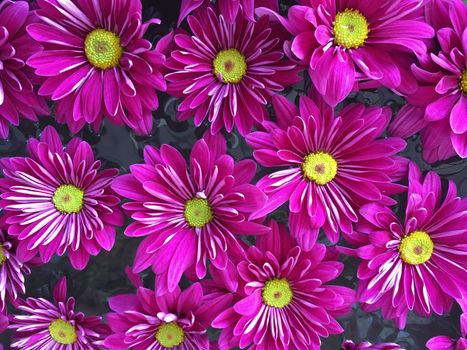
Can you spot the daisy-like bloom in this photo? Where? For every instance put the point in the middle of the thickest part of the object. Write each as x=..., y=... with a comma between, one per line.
x=190, y=215
x=177, y=320
x=350, y=345
x=96, y=63
x=58, y=200
x=447, y=343
x=17, y=94
x=334, y=165
x=419, y=265
x=346, y=41
x=228, y=8
x=441, y=98
x=285, y=301
x=227, y=71
x=45, y=325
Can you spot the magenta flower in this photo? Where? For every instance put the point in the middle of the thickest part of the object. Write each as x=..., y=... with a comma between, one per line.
x=285, y=301
x=46, y=325
x=333, y=165
x=17, y=94
x=350, y=345
x=419, y=265
x=227, y=72
x=190, y=215
x=447, y=343
x=97, y=63
x=228, y=8
x=177, y=320
x=345, y=42
x=58, y=200
x=441, y=100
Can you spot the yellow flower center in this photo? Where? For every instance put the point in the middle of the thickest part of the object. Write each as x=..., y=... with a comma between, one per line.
x=463, y=81
x=229, y=66
x=416, y=248
x=277, y=293
x=350, y=29
x=68, y=199
x=198, y=212
x=63, y=332
x=2, y=255
x=102, y=49
x=319, y=167
x=170, y=335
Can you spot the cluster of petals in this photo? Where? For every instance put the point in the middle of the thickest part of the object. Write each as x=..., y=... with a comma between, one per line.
x=443, y=342
x=350, y=345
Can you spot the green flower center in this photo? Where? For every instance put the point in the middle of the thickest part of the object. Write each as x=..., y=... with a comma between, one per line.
x=350, y=29
x=68, y=199
x=416, y=248
x=170, y=335
x=62, y=332
x=229, y=66
x=319, y=167
x=463, y=81
x=198, y=212
x=277, y=293
x=102, y=49
x=2, y=255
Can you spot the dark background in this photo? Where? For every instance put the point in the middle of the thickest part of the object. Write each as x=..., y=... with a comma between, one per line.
x=118, y=147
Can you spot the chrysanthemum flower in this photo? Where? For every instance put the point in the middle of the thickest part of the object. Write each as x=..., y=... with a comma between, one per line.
x=58, y=200
x=227, y=72
x=285, y=301
x=97, y=63
x=419, y=265
x=347, y=41
x=442, y=85
x=177, y=320
x=17, y=94
x=228, y=8
x=46, y=325
x=334, y=165
x=447, y=343
x=350, y=345
x=189, y=215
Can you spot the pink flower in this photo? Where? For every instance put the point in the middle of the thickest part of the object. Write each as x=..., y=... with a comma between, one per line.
x=189, y=215
x=45, y=325
x=177, y=320
x=419, y=265
x=17, y=94
x=97, y=63
x=330, y=165
x=447, y=343
x=283, y=300
x=350, y=345
x=227, y=71
x=57, y=200
x=439, y=105
x=345, y=42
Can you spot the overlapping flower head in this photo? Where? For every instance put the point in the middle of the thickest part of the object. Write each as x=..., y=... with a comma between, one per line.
x=58, y=200
x=345, y=42
x=419, y=264
x=18, y=97
x=331, y=165
x=350, y=345
x=446, y=343
x=189, y=214
x=96, y=63
x=279, y=286
x=227, y=72
x=439, y=106
x=47, y=325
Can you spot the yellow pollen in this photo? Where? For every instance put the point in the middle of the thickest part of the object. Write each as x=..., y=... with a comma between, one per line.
x=102, y=49
x=350, y=29
x=198, y=212
x=2, y=255
x=463, y=81
x=62, y=332
x=68, y=199
x=416, y=248
x=319, y=167
x=277, y=293
x=170, y=335
x=229, y=66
